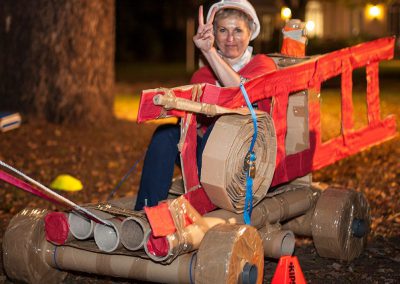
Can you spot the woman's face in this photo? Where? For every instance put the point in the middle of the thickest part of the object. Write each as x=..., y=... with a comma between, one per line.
x=232, y=36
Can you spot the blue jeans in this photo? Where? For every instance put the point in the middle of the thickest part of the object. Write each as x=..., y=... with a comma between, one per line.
x=158, y=167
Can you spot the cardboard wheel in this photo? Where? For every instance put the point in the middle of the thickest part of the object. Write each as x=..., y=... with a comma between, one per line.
x=23, y=240
x=340, y=224
x=229, y=253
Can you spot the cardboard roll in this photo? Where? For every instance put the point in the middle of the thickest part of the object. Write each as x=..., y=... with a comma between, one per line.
x=230, y=254
x=24, y=247
x=223, y=172
x=340, y=224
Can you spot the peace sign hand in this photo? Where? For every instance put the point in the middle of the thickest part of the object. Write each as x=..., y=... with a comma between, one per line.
x=204, y=38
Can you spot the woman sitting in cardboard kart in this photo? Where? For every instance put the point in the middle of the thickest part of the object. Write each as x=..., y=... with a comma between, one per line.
x=224, y=42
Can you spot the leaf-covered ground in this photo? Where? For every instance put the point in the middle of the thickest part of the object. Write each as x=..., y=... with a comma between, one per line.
x=100, y=157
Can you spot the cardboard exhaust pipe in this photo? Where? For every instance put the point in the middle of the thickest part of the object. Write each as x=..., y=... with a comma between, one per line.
x=80, y=227
x=107, y=237
x=57, y=228
x=58, y=224
x=41, y=262
x=133, y=231
x=180, y=242
x=277, y=243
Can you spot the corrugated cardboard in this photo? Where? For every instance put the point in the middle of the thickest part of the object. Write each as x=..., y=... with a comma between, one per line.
x=223, y=175
x=297, y=136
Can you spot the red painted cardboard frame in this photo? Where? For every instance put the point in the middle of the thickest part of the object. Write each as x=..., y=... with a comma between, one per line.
x=279, y=85
x=307, y=75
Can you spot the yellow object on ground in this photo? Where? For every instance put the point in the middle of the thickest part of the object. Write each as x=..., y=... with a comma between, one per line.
x=67, y=183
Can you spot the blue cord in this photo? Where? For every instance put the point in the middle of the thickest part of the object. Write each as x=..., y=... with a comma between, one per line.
x=55, y=258
x=190, y=268
x=124, y=178
x=248, y=203
x=253, y=116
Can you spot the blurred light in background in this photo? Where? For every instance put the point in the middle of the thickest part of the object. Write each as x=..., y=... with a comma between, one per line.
x=374, y=11
x=286, y=13
x=310, y=26
x=314, y=19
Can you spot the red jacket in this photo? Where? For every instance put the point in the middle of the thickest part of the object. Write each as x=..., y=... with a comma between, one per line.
x=258, y=65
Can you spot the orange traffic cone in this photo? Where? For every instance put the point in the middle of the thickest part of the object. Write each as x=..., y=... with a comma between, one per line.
x=288, y=271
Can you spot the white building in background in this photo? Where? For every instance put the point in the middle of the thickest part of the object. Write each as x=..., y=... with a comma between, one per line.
x=336, y=19
x=343, y=20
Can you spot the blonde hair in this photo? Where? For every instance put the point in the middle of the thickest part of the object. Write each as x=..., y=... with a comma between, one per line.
x=225, y=13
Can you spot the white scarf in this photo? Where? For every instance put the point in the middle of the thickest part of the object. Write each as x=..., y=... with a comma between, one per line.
x=246, y=57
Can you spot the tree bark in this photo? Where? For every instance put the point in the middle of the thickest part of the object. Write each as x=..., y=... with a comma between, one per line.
x=58, y=58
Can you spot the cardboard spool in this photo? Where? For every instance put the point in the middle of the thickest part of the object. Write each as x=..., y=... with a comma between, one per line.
x=340, y=224
x=223, y=175
x=229, y=253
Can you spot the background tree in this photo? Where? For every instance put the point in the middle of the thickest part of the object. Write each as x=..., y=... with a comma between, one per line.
x=57, y=58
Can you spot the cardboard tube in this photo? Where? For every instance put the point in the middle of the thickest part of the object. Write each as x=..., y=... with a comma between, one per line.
x=170, y=102
x=57, y=228
x=182, y=242
x=277, y=243
x=81, y=228
x=42, y=262
x=133, y=231
x=282, y=207
x=69, y=258
x=275, y=209
x=301, y=225
x=107, y=237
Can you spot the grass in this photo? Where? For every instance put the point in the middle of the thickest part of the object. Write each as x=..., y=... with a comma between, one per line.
x=331, y=110
x=126, y=106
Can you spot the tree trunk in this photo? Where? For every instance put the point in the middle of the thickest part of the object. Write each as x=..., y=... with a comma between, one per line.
x=58, y=58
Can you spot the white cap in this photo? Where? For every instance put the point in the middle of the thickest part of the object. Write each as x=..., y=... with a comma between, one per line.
x=242, y=5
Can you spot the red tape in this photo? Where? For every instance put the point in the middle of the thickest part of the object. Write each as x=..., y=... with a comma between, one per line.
x=160, y=219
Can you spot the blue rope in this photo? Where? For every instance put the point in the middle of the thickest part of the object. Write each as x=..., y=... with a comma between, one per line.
x=124, y=178
x=248, y=203
x=253, y=116
x=55, y=258
x=190, y=268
